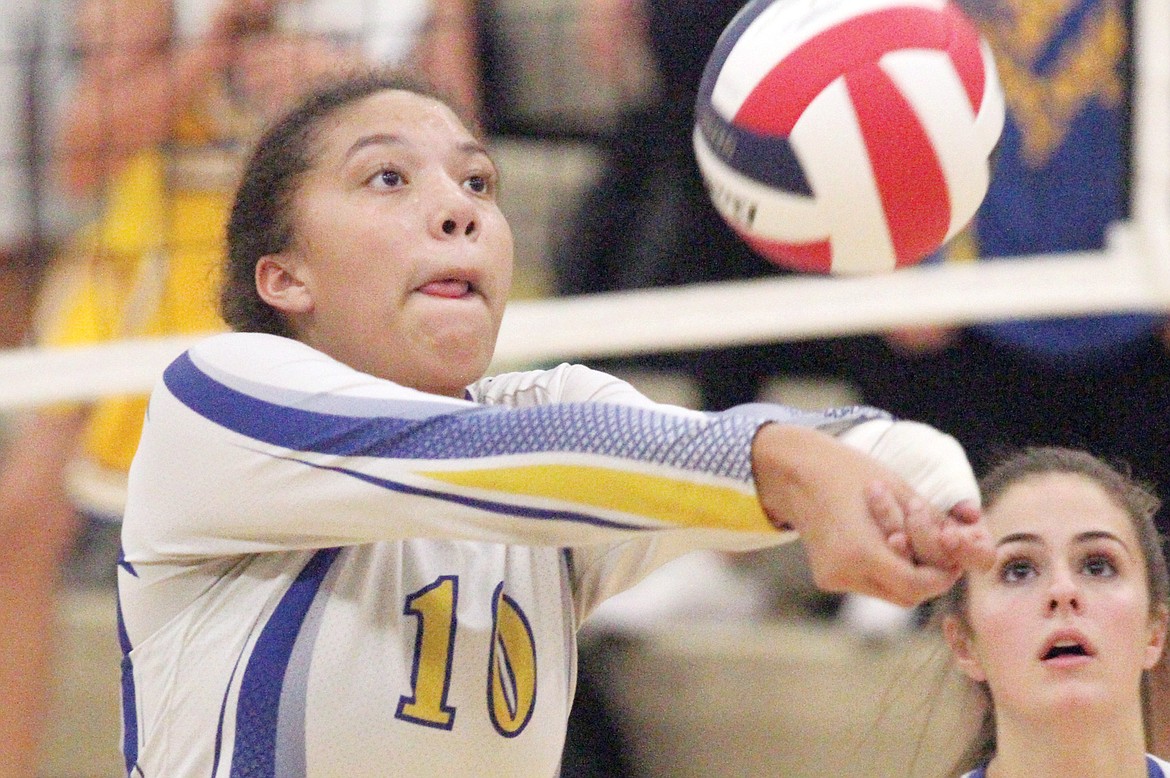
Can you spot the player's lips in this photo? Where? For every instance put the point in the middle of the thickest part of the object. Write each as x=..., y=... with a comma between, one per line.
x=1067, y=647
x=450, y=288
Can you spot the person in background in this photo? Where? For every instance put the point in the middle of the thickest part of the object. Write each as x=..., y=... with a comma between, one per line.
x=1062, y=632
x=34, y=217
x=28, y=77
x=167, y=99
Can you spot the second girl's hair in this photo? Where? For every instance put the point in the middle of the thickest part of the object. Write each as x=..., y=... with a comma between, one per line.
x=1134, y=498
x=261, y=221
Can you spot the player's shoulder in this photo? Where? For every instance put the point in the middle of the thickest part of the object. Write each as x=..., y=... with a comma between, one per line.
x=1161, y=764
x=244, y=361
x=250, y=353
x=224, y=370
x=250, y=345
x=565, y=383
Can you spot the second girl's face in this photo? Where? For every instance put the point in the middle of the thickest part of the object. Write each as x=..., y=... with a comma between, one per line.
x=1062, y=620
x=403, y=253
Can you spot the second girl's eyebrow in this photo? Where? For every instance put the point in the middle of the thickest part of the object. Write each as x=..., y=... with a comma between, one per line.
x=1019, y=537
x=1082, y=537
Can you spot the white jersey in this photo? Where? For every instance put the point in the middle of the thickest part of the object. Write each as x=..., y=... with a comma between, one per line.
x=328, y=574
x=1155, y=768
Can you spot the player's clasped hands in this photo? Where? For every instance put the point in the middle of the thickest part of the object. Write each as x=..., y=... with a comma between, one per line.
x=899, y=522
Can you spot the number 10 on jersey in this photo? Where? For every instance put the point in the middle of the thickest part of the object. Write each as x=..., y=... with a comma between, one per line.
x=510, y=664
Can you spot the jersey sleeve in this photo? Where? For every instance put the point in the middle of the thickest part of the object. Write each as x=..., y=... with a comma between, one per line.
x=601, y=571
x=254, y=443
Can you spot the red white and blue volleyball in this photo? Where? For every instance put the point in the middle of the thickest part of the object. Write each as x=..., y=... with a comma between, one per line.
x=848, y=136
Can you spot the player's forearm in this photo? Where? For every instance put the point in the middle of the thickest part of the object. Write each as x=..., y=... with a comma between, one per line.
x=791, y=465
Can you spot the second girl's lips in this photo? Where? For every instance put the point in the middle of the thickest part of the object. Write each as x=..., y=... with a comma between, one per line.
x=1067, y=645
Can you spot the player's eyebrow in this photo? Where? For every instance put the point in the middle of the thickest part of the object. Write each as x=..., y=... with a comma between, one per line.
x=376, y=139
x=1081, y=537
x=470, y=148
x=1101, y=534
x=1019, y=537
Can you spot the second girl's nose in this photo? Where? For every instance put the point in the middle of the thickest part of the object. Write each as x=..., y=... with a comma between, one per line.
x=1063, y=594
x=451, y=227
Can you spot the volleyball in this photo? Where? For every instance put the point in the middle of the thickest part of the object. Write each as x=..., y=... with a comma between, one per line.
x=848, y=136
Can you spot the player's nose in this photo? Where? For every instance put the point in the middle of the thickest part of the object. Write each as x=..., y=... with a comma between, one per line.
x=454, y=214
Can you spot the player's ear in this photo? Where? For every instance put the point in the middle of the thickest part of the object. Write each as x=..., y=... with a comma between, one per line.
x=1157, y=644
x=280, y=282
x=959, y=640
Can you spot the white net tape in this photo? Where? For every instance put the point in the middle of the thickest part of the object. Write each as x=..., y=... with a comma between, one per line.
x=580, y=328
x=1132, y=274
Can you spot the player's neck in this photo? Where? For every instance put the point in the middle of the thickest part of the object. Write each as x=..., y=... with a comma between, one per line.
x=1069, y=745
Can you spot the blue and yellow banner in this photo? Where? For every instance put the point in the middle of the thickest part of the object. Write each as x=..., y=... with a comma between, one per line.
x=1062, y=170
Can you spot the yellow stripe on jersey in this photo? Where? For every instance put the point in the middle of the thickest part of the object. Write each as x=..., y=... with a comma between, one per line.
x=672, y=501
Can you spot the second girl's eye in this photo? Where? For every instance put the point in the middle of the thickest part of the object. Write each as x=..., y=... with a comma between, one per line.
x=1099, y=565
x=1016, y=570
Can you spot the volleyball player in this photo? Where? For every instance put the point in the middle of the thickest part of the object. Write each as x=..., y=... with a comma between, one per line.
x=348, y=552
x=1063, y=630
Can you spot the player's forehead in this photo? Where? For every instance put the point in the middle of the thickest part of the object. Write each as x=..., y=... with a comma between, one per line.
x=1058, y=507
x=393, y=117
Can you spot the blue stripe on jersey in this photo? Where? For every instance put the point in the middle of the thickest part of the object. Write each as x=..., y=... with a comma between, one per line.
x=324, y=402
x=129, y=702
x=122, y=563
x=258, y=709
x=223, y=714
x=592, y=428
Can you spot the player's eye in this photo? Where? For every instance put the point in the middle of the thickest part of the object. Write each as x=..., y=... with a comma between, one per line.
x=1016, y=570
x=480, y=184
x=1099, y=566
x=387, y=178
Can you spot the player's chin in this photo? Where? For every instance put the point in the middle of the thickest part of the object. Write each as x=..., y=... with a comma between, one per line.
x=469, y=370
x=465, y=359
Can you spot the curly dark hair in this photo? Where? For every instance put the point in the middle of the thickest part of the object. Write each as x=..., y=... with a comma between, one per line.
x=261, y=217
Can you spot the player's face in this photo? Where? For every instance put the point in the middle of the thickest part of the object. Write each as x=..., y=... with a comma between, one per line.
x=1062, y=621
x=404, y=255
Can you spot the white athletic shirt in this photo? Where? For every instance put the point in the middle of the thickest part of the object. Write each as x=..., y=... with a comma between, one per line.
x=328, y=574
x=1155, y=768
